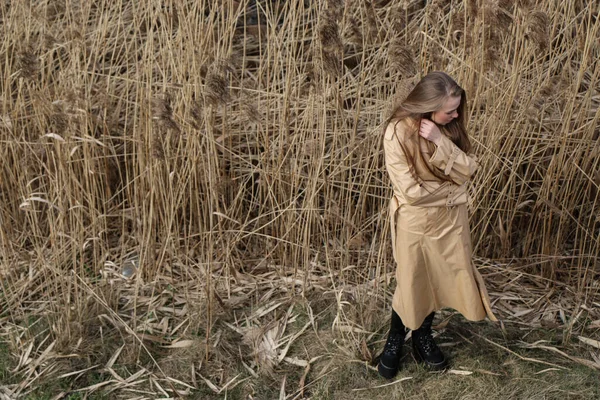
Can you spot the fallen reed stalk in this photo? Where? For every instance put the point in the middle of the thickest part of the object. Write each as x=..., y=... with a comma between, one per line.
x=204, y=142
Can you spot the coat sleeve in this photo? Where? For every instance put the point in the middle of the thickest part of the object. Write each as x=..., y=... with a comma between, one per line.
x=453, y=161
x=400, y=175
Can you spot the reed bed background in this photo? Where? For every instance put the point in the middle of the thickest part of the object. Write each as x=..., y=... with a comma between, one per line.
x=182, y=180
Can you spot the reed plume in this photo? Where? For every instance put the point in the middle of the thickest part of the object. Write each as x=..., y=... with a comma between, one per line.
x=352, y=31
x=162, y=112
x=28, y=64
x=329, y=35
x=402, y=58
x=233, y=150
x=472, y=8
x=216, y=88
x=331, y=46
x=538, y=24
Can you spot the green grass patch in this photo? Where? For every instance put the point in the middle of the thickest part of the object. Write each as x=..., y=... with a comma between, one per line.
x=6, y=364
x=486, y=363
x=479, y=370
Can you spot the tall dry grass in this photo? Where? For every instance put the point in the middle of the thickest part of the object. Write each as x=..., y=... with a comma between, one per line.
x=201, y=142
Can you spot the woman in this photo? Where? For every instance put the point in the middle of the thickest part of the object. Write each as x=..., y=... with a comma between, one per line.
x=426, y=155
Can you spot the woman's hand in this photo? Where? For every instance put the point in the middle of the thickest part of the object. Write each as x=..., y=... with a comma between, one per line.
x=430, y=131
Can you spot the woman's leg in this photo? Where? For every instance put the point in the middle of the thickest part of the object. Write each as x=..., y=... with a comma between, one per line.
x=425, y=348
x=389, y=361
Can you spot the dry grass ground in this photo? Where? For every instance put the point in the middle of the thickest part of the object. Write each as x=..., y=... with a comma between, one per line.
x=193, y=199
x=271, y=340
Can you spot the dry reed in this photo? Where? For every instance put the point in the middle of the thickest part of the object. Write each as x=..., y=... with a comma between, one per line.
x=203, y=138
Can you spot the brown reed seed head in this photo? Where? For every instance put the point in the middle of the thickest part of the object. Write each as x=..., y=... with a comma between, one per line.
x=524, y=4
x=49, y=41
x=59, y=120
x=336, y=5
x=403, y=88
x=491, y=56
x=352, y=32
x=506, y=4
x=161, y=108
x=335, y=8
x=537, y=32
x=229, y=65
x=216, y=89
x=55, y=10
x=196, y=113
x=170, y=124
x=401, y=57
x=158, y=150
x=472, y=8
x=329, y=34
x=435, y=6
x=398, y=19
x=490, y=12
x=505, y=14
x=248, y=107
x=372, y=24
x=29, y=64
x=331, y=63
x=162, y=113
x=331, y=45
x=437, y=57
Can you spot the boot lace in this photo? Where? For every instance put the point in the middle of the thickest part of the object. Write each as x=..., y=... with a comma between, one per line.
x=393, y=343
x=427, y=343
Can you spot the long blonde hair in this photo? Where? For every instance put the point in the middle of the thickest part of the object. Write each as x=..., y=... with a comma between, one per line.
x=428, y=96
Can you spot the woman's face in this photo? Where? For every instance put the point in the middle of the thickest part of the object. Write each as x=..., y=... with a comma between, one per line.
x=448, y=111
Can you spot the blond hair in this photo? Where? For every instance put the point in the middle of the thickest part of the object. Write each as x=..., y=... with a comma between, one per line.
x=427, y=97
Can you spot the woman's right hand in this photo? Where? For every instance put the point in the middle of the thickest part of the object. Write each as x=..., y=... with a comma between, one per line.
x=430, y=131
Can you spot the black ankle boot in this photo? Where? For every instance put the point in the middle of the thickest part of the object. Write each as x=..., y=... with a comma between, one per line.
x=425, y=348
x=389, y=361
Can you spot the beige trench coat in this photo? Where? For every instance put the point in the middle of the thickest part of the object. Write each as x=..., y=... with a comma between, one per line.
x=431, y=238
